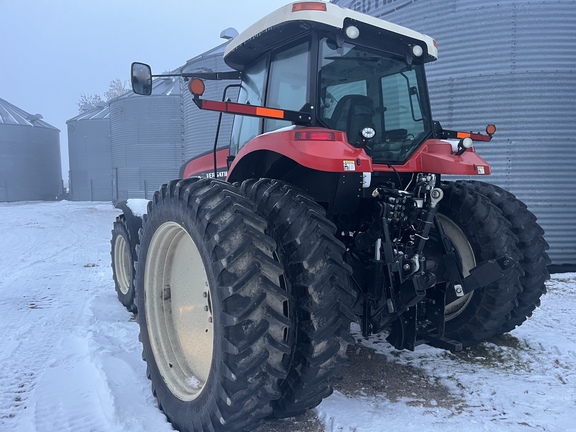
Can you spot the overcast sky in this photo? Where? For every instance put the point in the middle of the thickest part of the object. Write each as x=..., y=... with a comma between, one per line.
x=52, y=51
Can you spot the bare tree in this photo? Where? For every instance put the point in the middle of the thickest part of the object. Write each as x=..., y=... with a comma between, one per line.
x=88, y=100
x=117, y=88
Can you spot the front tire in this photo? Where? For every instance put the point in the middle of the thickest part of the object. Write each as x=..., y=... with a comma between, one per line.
x=318, y=280
x=122, y=254
x=212, y=311
x=478, y=232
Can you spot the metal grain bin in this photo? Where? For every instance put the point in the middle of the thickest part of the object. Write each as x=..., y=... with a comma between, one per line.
x=512, y=63
x=30, y=166
x=90, y=155
x=200, y=126
x=147, y=140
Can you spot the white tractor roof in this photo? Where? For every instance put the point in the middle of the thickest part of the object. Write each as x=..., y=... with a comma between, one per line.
x=334, y=16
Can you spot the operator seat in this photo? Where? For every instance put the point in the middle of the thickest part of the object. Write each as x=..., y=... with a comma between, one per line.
x=352, y=114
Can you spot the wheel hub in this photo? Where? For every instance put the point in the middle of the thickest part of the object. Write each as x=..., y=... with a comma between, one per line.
x=468, y=261
x=122, y=264
x=179, y=311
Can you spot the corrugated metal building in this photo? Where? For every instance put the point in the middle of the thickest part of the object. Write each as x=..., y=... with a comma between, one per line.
x=30, y=166
x=90, y=155
x=147, y=139
x=512, y=63
x=200, y=126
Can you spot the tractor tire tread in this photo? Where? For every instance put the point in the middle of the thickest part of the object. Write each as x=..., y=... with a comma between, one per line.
x=120, y=228
x=491, y=237
x=531, y=243
x=252, y=345
x=319, y=279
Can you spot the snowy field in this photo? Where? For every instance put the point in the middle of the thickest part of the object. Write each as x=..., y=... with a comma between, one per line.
x=70, y=356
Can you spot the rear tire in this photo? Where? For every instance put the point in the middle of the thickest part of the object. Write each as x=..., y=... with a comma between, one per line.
x=479, y=232
x=212, y=311
x=122, y=254
x=531, y=243
x=318, y=280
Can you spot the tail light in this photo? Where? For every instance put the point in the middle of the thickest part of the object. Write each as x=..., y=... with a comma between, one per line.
x=314, y=136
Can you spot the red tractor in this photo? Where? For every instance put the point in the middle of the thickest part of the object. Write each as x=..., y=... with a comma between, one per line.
x=334, y=209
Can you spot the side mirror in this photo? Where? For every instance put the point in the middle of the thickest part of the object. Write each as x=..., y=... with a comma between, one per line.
x=141, y=79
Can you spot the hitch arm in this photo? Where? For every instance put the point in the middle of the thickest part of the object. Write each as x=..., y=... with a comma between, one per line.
x=480, y=276
x=486, y=273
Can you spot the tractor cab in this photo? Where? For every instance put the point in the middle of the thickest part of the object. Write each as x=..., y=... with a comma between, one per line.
x=352, y=73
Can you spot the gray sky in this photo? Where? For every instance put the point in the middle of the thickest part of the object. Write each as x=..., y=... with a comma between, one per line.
x=52, y=51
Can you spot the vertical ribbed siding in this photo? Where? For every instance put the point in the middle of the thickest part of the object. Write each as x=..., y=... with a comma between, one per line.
x=511, y=63
x=146, y=133
x=200, y=126
x=90, y=156
x=30, y=167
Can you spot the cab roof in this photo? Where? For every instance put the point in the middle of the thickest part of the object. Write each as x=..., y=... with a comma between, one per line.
x=298, y=18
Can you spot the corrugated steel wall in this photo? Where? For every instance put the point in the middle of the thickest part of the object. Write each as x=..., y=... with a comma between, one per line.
x=90, y=155
x=200, y=126
x=512, y=63
x=147, y=140
x=30, y=167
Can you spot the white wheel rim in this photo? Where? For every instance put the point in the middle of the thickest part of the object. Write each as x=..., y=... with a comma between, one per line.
x=466, y=253
x=178, y=311
x=122, y=264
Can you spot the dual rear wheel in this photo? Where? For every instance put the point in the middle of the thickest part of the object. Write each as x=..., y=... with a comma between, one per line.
x=484, y=222
x=243, y=303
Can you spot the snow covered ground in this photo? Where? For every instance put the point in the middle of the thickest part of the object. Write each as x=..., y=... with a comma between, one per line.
x=70, y=356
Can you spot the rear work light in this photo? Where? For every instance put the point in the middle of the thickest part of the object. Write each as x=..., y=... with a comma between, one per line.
x=314, y=136
x=309, y=6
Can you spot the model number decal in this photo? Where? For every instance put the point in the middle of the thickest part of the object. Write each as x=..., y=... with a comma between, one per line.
x=220, y=174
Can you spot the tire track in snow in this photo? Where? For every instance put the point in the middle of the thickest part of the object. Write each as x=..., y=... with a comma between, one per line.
x=116, y=350
x=23, y=360
x=68, y=396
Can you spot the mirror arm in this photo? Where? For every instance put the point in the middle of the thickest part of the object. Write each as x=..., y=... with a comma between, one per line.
x=209, y=76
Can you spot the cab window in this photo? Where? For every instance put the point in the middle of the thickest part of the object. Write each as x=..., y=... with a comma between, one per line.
x=362, y=87
x=251, y=92
x=288, y=82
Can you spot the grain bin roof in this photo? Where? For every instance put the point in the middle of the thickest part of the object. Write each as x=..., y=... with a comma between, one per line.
x=161, y=86
x=100, y=111
x=11, y=114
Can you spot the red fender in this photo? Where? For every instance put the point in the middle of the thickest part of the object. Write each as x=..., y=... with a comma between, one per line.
x=319, y=149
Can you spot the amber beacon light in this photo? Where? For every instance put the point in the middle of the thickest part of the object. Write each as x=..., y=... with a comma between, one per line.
x=197, y=87
x=309, y=6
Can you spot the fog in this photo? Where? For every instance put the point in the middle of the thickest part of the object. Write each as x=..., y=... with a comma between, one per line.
x=54, y=51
